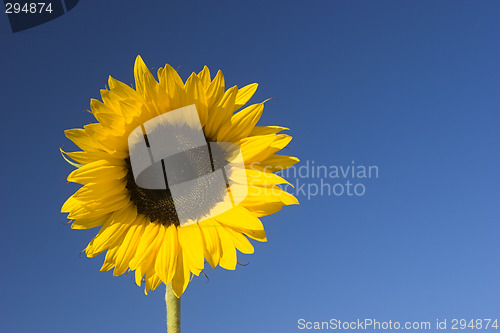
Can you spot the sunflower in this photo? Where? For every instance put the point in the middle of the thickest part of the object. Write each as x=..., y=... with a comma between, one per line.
x=139, y=227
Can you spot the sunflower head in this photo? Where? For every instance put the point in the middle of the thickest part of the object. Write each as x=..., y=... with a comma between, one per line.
x=200, y=200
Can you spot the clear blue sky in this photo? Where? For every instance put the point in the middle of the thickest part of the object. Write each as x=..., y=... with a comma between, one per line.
x=409, y=86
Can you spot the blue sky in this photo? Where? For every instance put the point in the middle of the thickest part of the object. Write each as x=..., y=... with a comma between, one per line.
x=408, y=86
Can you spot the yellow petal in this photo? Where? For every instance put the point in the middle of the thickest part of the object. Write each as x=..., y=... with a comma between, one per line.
x=111, y=203
x=112, y=230
x=211, y=241
x=253, y=147
x=276, y=163
x=204, y=76
x=106, y=141
x=110, y=258
x=82, y=139
x=263, y=201
x=191, y=242
x=228, y=259
x=258, y=148
x=144, y=247
x=97, y=208
x=68, y=159
x=85, y=157
x=241, y=124
x=145, y=83
x=76, y=205
x=172, y=84
x=221, y=113
x=264, y=130
x=147, y=264
x=111, y=100
x=89, y=223
x=130, y=110
x=240, y=241
x=258, y=235
x=129, y=245
x=97, y=171
x=215, y=90
x=122, y=90
x=100, y=191
x=287, y=198
x=71, y=204
x=83, y=213
x=142, y=272
x=138, y=276
x=256, y=177
x=108, y=117
x=166, y=260
x=152, y=282
x=182, y=275
x=244, y=95
x=240, y=217
x=196, y=95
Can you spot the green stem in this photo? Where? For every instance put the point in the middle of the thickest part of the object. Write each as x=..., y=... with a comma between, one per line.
x=173, y=310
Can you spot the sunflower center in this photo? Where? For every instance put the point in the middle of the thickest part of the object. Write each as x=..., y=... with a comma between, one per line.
x=159, y=205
